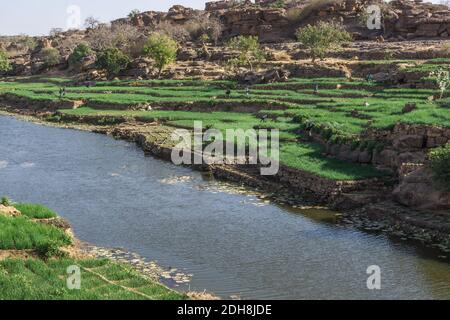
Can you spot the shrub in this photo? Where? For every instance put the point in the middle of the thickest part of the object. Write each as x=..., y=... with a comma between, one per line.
x=79, y=53
x=322, y=37
x=113, y=61
x=176, y=32
x=119, y=35
x=51, y=57
x=162, y=49
x=442, y=78
x=297, y=14
x=91, y=22
x=250, y=51
x=50, y=249
x=5, y=201
x=440, y=165
x=133, y=13
x=5, y=66
x=200, y=27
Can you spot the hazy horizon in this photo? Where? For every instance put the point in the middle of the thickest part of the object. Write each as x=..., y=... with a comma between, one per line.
x=39, y=17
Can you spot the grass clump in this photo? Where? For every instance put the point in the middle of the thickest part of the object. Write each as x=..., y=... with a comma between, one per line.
x=35, y=211
x=20, y=233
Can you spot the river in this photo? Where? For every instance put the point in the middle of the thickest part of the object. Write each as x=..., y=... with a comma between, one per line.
x=233, y=243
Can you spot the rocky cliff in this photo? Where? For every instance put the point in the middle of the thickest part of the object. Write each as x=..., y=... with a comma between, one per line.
x=275, y=22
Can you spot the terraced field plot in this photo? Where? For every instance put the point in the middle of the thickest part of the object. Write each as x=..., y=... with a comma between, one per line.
x=44, y=276
x=336, y=107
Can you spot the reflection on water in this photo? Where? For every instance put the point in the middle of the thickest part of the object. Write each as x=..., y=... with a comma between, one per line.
x=232, y=241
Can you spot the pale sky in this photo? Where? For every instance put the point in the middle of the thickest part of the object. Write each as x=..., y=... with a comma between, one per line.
x=37, y=17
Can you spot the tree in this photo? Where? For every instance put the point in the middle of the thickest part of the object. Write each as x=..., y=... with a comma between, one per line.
x=161, y=48
x=250, y=51
x=133, y=13
x=113, y=60
x=55, y=31
x=79, y=53
x=5, y=66
x=91, y=22
x=442, y=78
x=120, y=35
x=51, y=57
x=323, y=37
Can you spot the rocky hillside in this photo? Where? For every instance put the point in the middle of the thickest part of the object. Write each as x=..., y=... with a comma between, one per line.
x=273, y=21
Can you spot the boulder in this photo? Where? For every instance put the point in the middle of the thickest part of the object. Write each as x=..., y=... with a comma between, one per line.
x=418, y=190
x=9, y=211
x=409, y=142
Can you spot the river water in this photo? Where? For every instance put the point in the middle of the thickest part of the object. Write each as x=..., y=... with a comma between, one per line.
x=234, y=244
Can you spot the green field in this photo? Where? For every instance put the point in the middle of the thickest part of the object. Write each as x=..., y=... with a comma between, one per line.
x=341, y=110
x=35, y=279
x=44, y=277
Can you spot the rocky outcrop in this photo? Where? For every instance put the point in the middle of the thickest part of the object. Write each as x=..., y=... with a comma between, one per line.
x=9, y=211
x=417, y=189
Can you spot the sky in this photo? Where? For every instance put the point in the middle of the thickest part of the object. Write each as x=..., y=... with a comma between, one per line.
x=37, y=17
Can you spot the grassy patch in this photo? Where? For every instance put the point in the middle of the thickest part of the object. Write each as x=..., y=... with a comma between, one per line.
x=21, y=233
x=46, y=280
x=35, y=211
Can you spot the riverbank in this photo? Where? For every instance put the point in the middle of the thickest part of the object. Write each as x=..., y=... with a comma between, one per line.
x=38, y=249
x=427, y=228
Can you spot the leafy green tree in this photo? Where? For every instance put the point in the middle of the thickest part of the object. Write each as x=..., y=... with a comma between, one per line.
x=323, y=37
x=161, y=48
x=80, y=52
x=440, y=165
x=51, y=57
x=113, y=60
x=5, y=66
x=250, y=52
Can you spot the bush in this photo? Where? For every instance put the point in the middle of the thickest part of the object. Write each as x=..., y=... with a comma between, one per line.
x=5, y=201
x=134, y=13
x=440, y=165
x=79, y=53
x=120, y=35
x=200, y=27
x=113, y=61
x=162, y=49
x=250, y=52
x=176, y=32
x=50, y=249
x=5, y=66
x=322, y=37
x=51, y=57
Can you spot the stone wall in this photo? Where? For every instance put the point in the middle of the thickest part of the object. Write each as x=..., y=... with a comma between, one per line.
x=404, y=145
